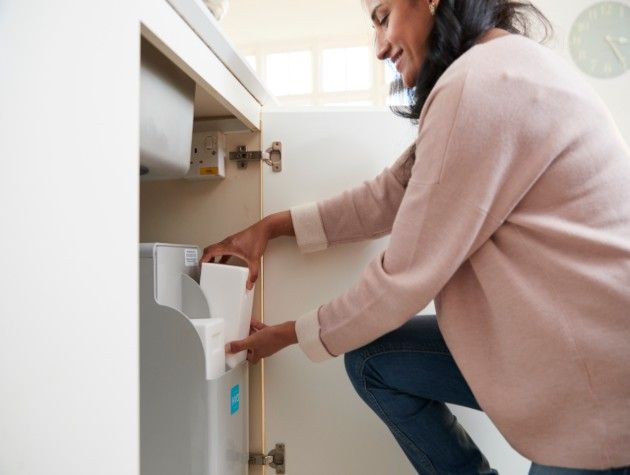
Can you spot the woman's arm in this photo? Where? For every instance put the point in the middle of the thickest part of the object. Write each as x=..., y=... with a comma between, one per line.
x=264, y=340
x=279, y=224
x=364, y=212
x=482, y=146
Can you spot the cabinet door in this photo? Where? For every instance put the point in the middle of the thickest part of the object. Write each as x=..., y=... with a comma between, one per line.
x=312, y=408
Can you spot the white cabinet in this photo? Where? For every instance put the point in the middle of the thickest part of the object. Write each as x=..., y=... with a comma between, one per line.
x=204, y=212
x=68, y=239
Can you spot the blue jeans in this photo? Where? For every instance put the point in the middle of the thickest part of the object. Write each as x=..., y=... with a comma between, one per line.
x=406, y=377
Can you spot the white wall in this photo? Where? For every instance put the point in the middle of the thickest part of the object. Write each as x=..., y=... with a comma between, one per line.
x=616, y=91
x=68, y=240
x=251, y=21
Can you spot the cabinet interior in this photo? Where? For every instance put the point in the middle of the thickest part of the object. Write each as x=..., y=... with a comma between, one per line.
x=203, y=212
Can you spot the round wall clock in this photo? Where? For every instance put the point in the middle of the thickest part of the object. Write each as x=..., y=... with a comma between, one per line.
x=599, y=40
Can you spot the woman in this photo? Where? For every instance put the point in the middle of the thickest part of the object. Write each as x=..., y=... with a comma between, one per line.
x=512, y=211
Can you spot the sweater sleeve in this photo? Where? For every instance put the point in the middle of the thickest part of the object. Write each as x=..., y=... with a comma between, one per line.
x=364, y=212
x=481, y=146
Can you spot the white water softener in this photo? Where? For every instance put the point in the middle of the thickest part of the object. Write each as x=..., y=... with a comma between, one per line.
x=193, y=400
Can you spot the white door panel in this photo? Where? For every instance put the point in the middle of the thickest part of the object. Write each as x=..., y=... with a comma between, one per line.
x=313, y=408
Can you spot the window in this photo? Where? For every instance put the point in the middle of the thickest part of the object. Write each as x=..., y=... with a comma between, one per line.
x=335, y=72
x=345, y=69
x=251, y=60
x=289, y=73
x=350, y=103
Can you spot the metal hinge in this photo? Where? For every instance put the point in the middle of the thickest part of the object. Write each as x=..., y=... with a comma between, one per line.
x=275, y=459
x=272, y=156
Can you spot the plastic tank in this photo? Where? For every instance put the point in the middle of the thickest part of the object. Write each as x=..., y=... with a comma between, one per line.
x=167, y=100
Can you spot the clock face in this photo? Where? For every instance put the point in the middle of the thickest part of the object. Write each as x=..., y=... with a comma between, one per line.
x=600, y=39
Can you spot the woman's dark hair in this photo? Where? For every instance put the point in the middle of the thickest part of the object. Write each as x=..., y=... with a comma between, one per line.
x=458, y=26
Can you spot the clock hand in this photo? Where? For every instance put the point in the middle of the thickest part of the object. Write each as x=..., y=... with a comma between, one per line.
x=609, y=40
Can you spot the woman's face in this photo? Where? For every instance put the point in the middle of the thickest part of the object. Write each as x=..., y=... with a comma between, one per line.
x=402, y=28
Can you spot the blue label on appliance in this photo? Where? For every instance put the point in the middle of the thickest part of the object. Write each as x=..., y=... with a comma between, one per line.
x=235, y=400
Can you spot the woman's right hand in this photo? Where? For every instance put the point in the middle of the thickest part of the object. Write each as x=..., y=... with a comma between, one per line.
x=249, y=245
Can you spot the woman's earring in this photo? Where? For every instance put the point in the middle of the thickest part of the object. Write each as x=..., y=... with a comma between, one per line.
x=432, y=7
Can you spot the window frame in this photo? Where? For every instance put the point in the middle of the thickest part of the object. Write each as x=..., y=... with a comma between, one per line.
x=377, y=93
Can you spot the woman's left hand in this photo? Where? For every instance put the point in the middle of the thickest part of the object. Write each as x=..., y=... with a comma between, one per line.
x=264, y=340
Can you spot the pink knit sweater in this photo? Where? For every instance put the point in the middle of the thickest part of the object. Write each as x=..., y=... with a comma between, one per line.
x=515, y=218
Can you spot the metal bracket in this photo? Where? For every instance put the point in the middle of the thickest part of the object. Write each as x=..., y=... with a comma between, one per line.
x=272, y=156
x=275, y=459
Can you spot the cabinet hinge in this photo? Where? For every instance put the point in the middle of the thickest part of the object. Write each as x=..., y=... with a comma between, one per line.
x=275, y=459
x=272, y=156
